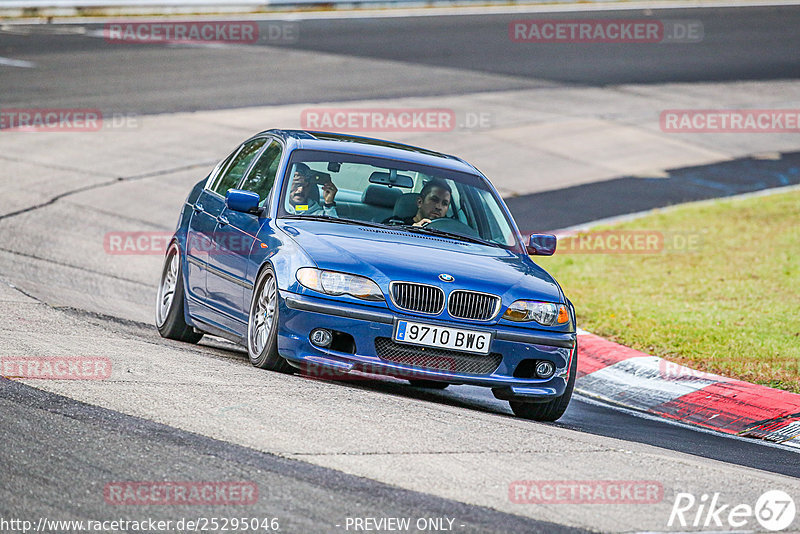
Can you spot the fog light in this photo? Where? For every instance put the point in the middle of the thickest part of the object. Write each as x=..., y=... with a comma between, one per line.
x=321, y=337
x=545, y=369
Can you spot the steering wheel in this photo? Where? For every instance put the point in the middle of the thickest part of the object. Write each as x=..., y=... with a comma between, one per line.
x=452, y=225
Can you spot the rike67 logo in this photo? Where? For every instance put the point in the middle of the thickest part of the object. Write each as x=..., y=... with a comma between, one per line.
x=774, y=511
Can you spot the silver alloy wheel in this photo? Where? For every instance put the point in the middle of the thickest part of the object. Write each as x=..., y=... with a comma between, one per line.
x=263, y=315
x=166, y=289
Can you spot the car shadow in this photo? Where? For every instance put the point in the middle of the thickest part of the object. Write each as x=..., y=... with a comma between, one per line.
x=470, y=397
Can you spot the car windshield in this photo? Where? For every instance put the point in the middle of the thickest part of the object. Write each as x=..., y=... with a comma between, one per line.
x=419, y=198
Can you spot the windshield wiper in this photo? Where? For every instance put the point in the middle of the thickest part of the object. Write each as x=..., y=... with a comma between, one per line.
x=453, y=235
x=312, y=217
x=331, y=218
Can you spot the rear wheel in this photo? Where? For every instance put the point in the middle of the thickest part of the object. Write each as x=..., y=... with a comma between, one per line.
x=551, y=410
x=262, y=326
x=429, y=384
x=170, y=300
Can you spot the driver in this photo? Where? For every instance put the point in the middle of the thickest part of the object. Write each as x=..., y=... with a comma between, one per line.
x=432, y=203
x=300, y=201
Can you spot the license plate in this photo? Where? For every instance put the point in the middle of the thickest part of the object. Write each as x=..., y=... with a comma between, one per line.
x=443, y=337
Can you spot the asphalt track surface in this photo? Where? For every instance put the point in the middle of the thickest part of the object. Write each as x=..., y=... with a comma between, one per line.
x=573, y=206
x=76, y=439
x=433, y=56
x=384, y=58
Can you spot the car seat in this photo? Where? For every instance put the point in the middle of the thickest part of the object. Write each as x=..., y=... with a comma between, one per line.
x=405, y=206
x=380, y=195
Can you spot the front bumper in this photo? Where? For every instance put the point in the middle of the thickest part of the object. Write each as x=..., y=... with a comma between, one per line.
x=301, y=313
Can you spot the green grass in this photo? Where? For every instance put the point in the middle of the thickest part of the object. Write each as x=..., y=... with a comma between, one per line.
x=730, y=306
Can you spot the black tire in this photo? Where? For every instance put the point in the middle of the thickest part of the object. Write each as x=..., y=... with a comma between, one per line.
x=552, y=410
x=170, y=300
x=429, y=384
x=263, y=350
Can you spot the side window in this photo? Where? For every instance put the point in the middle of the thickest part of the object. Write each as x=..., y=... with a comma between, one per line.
x=233, y=174
x=262, y=177
x=218, y=170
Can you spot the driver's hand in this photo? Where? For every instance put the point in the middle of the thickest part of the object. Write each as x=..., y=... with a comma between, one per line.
x=329, y=192
x=422, y=222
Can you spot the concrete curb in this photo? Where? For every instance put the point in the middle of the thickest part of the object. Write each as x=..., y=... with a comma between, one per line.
x=620, y=375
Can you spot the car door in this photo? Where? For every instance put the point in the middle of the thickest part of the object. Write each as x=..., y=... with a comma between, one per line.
x=202, y=222
x=235, y=236
x=223, y=286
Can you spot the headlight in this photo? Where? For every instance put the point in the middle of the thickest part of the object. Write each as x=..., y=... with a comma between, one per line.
x=334, y=283
x=544, y=313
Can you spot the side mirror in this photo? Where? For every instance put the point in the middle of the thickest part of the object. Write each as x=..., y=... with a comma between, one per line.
x=241, y=200
x=542, y=245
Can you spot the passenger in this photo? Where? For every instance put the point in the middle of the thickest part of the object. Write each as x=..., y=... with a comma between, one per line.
x=300, y=200
x=432, y=203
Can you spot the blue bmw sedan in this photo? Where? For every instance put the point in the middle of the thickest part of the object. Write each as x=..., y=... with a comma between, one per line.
x=327, y=251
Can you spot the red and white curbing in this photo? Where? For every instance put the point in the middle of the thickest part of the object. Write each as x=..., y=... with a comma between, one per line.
x=624, y=376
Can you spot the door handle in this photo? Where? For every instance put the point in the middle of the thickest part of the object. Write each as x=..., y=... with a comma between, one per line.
x=198, y=208
x=223, y=220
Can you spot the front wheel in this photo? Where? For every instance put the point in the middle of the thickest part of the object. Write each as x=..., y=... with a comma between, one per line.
x=551, y=410
x=169, y=301
x=262, y=326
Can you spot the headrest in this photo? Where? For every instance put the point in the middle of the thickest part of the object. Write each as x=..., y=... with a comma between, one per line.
x=379, y=195
x=406, y=205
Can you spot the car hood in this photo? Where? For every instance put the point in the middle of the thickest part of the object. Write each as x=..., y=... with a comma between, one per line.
x=387, y=255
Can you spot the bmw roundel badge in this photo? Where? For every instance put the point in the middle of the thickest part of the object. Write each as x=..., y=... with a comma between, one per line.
x=444, y=277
